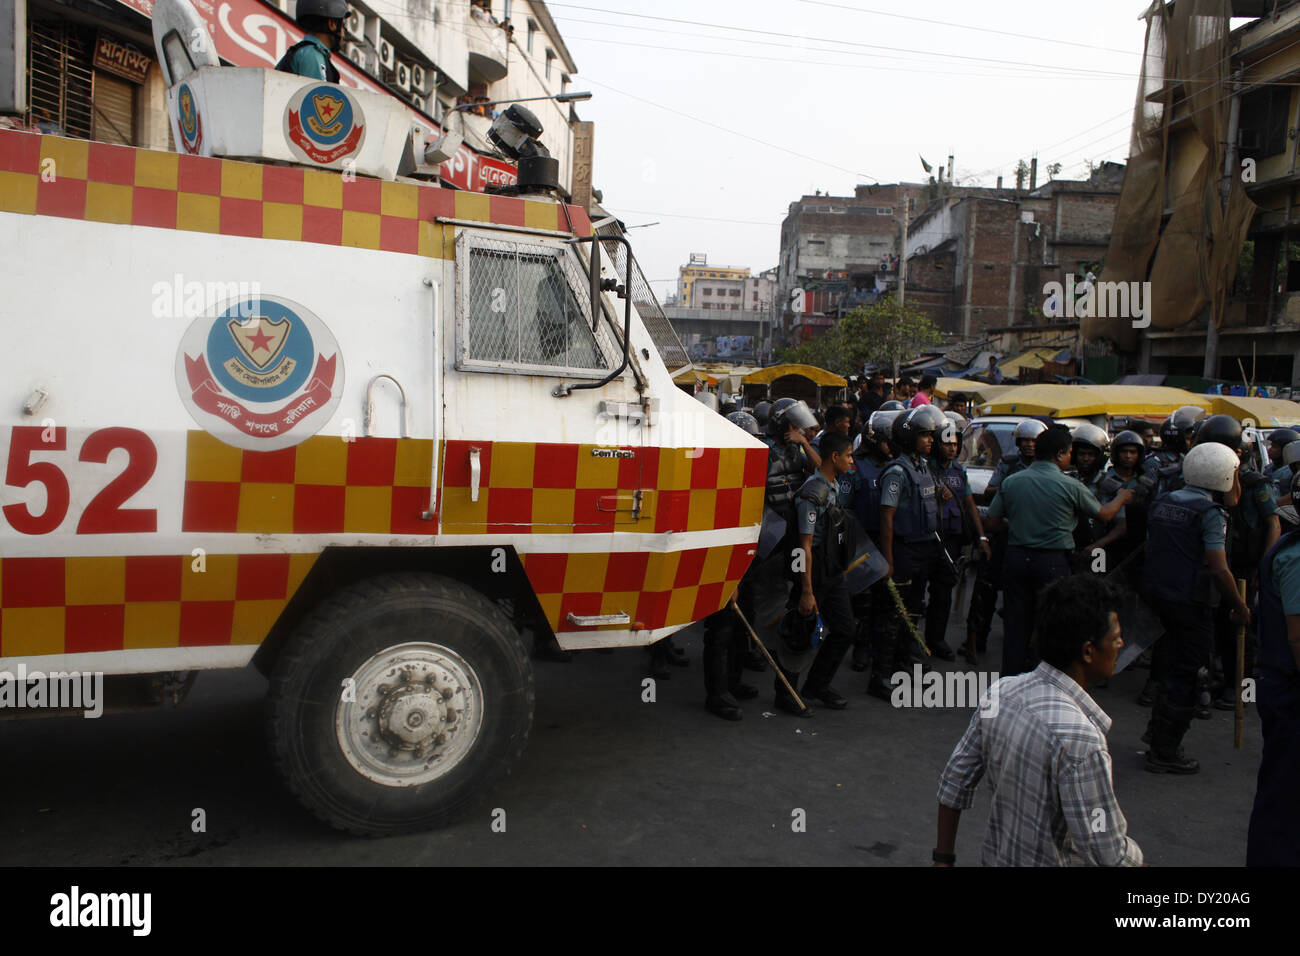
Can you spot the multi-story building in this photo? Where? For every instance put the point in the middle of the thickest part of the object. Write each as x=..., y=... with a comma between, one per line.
x=87, y=68
x=702, y=286
x=978, y=260
x=836, y=253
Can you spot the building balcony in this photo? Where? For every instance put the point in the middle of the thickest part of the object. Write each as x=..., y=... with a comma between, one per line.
x=488, y=45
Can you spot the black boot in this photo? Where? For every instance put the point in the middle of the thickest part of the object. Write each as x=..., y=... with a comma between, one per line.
x=784, y=701
x=1168, y=727
x=675, y=655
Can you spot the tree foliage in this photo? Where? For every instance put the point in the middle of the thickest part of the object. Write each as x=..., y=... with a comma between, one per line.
x=885, y=333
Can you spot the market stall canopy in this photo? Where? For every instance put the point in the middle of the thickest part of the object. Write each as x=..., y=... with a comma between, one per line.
x=967, y=389
x=823, y=378
x=1034, y=358
x=1265, y=412
x=1080, y=401
x=693, y=376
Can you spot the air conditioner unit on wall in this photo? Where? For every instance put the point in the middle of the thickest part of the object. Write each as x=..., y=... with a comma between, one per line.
x=386, y=55
x=419, y=79
x=403, y=76
x=360, y=55
x=355, y=24
x=419, y=102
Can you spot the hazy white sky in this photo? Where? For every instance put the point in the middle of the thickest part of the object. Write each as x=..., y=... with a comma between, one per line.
x=852, y=85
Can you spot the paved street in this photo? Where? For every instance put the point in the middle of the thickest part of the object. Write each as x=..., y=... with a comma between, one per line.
x=606, y=779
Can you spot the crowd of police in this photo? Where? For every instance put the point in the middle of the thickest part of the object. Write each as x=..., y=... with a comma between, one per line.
x=1178, y=524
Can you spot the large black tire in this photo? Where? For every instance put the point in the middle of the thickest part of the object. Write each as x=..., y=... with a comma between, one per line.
x=355, y=633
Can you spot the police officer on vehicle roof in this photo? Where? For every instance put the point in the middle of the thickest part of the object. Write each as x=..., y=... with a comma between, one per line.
x=826, y=542
x=1187, y=572
x=957, y=513
x=988, y=574
x=1253, y=528
x=1274, y=835
x=1039, y=506
x=322, y=20
x=909, y=526
x=725, y=639
x=872, y=609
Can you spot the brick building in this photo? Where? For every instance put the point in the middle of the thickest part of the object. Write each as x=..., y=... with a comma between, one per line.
x=977, y=261
x=837, y=252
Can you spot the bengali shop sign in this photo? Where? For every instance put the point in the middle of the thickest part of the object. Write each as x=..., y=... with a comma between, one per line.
x=249, y=33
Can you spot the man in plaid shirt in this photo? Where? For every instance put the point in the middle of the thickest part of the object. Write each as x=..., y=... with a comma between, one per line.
x=1042, y=740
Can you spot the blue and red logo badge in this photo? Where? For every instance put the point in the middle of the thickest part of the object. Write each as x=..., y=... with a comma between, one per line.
x=324, y=124
x=263, y=373
x=191, y=124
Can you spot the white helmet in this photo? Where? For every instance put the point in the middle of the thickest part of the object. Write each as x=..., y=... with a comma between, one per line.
x=1029, y=428
x=1290, y=457
x=1210, y=466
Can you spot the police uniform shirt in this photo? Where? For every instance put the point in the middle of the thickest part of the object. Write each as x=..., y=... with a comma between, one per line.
x=1259, y=505
x=1280, y=477
x=311, y=60
x=893, y=486
x=1214, y=526
x=1286, y=582
x=1041, y=505
x=1003, y=471
x=943, y=473
x=808, y=514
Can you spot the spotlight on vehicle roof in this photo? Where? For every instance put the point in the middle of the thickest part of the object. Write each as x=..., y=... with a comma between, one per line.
x=515, y=133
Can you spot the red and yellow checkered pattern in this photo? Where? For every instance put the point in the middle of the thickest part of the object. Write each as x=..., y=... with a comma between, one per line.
x=80, y=605
x=656, y=589
x=324, y=485
x=78, y=179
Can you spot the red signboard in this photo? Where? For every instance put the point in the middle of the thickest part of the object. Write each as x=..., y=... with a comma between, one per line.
x=249, y=33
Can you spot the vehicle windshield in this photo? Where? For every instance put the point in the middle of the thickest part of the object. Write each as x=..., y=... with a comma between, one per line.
x=986, y=443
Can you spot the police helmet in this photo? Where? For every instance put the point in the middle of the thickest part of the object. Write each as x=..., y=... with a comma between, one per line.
x=957, y=419
x=708, y=400
x=1210, y=466
x=1291, y=453
x=1295, y=487
x=745, y=421
x=787, y=412
x=1283, y=436
x=1222, y=429
x=1186, y=416
x=797, y=643
x=761, y=411
x=324, y=9
x=1030, y=428
x=1129, y=438
x=880, y=425
x=1092, y=436
x=893, y=405
x=910, y=426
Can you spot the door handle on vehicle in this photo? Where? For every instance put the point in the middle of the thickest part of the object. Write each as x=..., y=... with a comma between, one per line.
x=475, y=474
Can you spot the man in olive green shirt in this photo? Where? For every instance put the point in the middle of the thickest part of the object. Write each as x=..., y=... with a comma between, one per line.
x=1039, y=506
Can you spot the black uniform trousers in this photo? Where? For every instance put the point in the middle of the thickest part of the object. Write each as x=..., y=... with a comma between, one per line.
x=837, y=614
x=943, y=578
x=1025, y=572
x=1189, y=641
x=914, y=565
x=725, y=640
x=1274, y=835
x=984, y=592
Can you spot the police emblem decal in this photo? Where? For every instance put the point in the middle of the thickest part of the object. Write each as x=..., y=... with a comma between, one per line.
x=190, y=123
x=324, y=124
x=261, y=373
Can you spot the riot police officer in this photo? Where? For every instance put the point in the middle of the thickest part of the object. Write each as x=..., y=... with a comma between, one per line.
x=872, y=609
x=988, y=576
x=1253, y=529
x=1088, y=447
x=1284, y=471
x=322, y=23
x=1274, y=834
x=791, y=459
x=725, y=641
x=909, y=525
x=1121, y=536
x=1278, y=439
x=957, y=512
x=1164, y=467
x=1187, y=573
